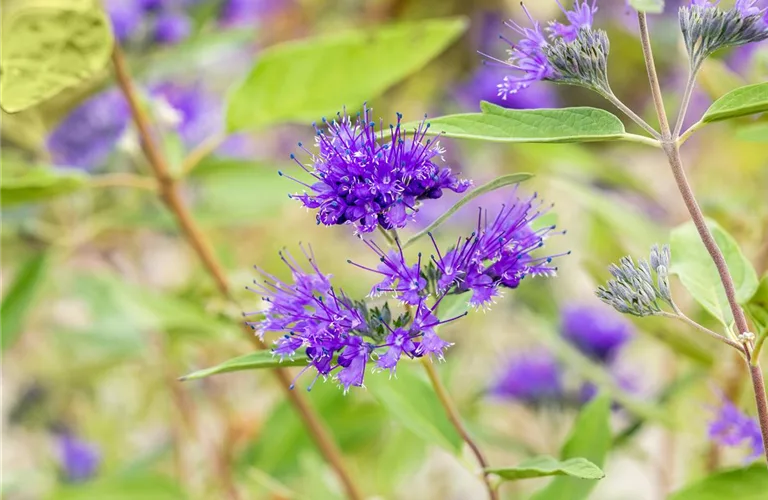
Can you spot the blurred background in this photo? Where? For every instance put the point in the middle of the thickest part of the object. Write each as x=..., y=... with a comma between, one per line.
x=105, y=304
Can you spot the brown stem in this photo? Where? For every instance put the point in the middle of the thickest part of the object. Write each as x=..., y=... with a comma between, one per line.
x=455, y=418
x=762, y=405
x=170, y=195
x=672, y=149
x=650, y=67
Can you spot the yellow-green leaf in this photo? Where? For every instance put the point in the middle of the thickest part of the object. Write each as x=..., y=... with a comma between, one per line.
x=547, y=466
x=254, y=361
x=746, y=100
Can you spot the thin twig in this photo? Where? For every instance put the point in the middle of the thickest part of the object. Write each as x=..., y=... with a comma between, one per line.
x=672, y=149
x=641, y=139
x=171, y=196
x=653, y=78
x=685, y=319
x=688, y=133
x=631, y=114
x=684, y=104
x=455, y=418
x=198, y=154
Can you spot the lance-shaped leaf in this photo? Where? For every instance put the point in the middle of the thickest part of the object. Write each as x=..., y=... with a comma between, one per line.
x=40, y=184
x=547, y=466
x=749, y=483
x=746, y=100
x=303, y=80
x=497, y=124
x=504, y=180
x=20, y=297
x=254, y=361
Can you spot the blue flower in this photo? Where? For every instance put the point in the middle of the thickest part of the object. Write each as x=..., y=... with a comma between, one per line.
x=125, y=16
x=359, y=181
x=532, y=378
x=87, y=136
x=172, y=27
x=497, y=255
x=530, y=55
x=79, y=459
x=731, y=427
x=596, y=330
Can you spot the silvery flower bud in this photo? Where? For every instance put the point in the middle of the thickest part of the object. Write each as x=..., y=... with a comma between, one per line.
x=583, y=61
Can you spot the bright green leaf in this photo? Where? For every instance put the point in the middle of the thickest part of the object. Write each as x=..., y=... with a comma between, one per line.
x=410, y=399
x=20, y=297
x=49, y=45
x=497, y=183
x=253, y=361
x=547, y=466
x=749, y=483
x=499, y=124
x=38, y=184
x=591, y=439
x=693, y=265
x=302, y=80
x=746, y=100
x=130, y=487
x=650, y=6
x=756, y=132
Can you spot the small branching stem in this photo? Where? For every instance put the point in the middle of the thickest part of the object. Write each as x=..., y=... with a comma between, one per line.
x=671, y=148
x=611, y=97
x=685, y=319
x=686, y=100
x=171, y=196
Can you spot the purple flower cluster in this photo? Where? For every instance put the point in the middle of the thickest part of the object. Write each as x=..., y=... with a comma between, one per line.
x=79, y=459
x=731, y=427
x=246, y=12
x=165, y=20
x=339, y=335
x=370, y=184
x=529, y=56
x=532, y=378
x=596, y=330
x=538, y=378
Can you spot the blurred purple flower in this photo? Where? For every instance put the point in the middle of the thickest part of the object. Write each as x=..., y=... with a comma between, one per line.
x=245, y=12
x=199, y=113
x=172, y=27
x=79, y=459
x=126, y=17
x=86, y=137
x=483, y=86
x=530, y=378
x=361, y=182
x=731, y=427
x=596, y=330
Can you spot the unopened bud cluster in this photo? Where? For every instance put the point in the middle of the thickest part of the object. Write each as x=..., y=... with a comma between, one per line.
x=583, y=61
x=634, y=289
x=707, y=29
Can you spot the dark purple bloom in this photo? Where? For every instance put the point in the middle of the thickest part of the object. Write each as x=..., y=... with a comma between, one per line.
x=530, y=378
x=333, y=329
x=596, y=330
x=498, y=254
x=405, y=281
x=731, y=427
x=530, y=56
x=172, y=27
x=87, y=136
x=359, y=181
x=79, y=459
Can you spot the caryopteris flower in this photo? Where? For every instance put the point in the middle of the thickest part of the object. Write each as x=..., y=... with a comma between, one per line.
x=369, y=180
x=340, y=335
x=706, y=28
x=731, y=427
x=569, y=52
x=633, y=289
x=531, y=378
x=595, y=330
x=79, y=460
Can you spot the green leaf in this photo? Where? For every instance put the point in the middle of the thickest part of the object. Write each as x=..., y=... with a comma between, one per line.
x=302, y=80
x=497, y=183
x=129, y=487
x=410, y=399
x=48, y=46
x=254, y=361
x=547, y=466
x=693, y=265
x=756, y=132
x=746, y=100
x=749, y=483
x=38, y=184
x=499, y=124
x=757, y=307
x=590, y=438
x=20, y=297
x=650, y=6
